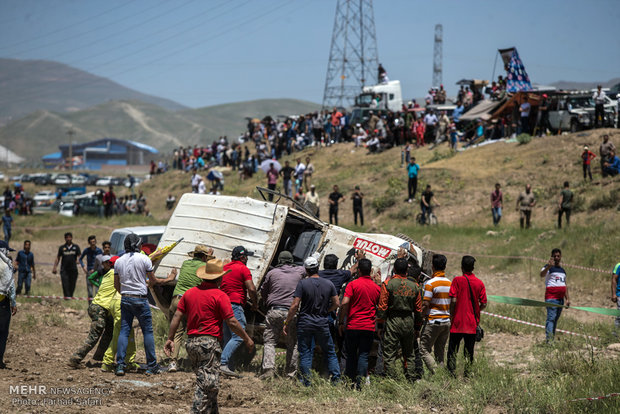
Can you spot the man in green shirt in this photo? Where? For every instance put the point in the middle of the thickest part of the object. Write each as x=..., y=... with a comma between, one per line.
x=565, y=204
x=187, y=280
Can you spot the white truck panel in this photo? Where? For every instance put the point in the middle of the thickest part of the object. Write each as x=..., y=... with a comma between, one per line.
x=223, y=222
x=380, y=249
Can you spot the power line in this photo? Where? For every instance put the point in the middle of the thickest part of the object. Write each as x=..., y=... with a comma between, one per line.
x=133, y=41
x=69, y=26
x=94, y=29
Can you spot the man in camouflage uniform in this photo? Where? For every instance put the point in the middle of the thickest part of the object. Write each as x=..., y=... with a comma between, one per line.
x=400, y=307
x=101, y=327
x=187, y=279
x=277, y=293
x=206, y=306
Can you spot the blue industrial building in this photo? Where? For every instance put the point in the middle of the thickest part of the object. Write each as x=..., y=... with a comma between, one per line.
x=106, y=151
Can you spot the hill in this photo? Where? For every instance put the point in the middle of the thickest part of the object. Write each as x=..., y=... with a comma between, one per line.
x=30, y=85
x=231, y=119
x=41, y=132
x=585, y=85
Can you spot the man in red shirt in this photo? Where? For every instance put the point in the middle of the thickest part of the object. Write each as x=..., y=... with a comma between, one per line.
x=468, y=297
x=359, y=307
x=109, y=198
x=205, y=307
x=236, y=284
x=587, y=156
x=335, y=121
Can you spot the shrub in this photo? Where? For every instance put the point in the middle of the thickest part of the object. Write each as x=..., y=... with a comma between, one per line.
x=404, y=213
x=524, y=138
x=608, y=200
x=382, y=203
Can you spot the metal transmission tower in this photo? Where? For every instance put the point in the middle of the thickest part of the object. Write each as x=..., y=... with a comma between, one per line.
x=353, y=59
x=437, y=55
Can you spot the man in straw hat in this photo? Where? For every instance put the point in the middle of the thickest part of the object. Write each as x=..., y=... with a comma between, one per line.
x=187, y=280
x=205, y=307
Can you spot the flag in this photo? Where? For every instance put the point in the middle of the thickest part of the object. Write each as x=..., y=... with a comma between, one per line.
x=517, y=79
x=161, y=252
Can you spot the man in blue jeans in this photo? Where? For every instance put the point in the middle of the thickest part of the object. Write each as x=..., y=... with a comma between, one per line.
x=25, y=268
x=315, y=298
x=237, y=284
x=131, y=271
x=91, y=252
x=556, y=291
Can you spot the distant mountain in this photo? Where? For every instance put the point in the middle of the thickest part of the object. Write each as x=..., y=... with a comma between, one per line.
x=585, y=85
x=31, y=85
x=41, y=132
x=232, y=119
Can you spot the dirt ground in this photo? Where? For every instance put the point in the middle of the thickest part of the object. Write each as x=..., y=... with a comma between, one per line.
x=38, y=350
x=37, y=357
x=45, y=334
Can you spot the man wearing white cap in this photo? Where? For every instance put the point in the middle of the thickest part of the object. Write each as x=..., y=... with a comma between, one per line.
x=315, y=298
x=205, y=307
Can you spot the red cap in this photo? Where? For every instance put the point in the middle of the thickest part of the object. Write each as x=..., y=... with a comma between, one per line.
x=544, y=95
x=148, y=248
x=113, y=259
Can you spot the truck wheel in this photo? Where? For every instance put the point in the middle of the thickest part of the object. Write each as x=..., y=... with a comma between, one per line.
x=574, y=126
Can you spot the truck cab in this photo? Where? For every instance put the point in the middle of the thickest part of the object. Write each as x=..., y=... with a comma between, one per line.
x=378, y=98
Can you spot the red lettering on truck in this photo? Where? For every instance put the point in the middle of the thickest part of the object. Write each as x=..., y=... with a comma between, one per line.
x=371, y=247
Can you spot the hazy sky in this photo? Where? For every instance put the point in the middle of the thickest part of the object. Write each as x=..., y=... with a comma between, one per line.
x=205, y=52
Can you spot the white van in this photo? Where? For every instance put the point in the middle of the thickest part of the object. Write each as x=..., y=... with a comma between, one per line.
x=148, y=234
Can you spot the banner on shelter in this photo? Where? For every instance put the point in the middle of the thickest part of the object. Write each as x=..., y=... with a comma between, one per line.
x=517, y=79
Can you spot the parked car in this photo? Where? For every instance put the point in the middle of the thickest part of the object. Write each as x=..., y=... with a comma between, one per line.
x=574, y=111
x=66, y=209
x=45, y=194
x=117, y=181
x=62, y=179
x=44, y=201
x=87, y=204
x=104, y=181
x=149, y=235
x=78, y=179
x=91, y=179
x=71, y=195
x=42, y=179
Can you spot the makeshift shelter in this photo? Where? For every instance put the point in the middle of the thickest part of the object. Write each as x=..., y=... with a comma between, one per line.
x=482, y=110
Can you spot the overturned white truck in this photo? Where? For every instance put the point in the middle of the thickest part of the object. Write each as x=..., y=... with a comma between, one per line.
x=266, y=228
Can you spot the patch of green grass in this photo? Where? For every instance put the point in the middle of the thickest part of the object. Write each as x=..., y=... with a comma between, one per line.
x=524, y=139
x=553, y=379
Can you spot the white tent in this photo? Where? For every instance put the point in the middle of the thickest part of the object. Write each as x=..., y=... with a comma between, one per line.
x=9, y=157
